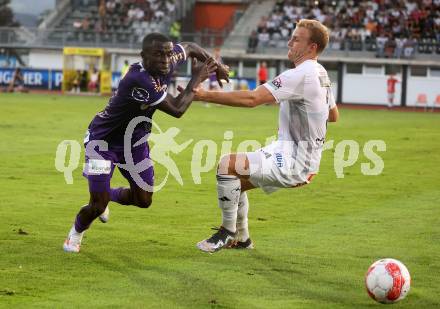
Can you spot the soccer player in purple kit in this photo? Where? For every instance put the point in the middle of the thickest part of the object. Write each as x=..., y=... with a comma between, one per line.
x=141, y=92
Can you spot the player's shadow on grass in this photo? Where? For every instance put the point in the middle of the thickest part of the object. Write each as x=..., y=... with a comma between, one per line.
x=283, y=274
x=207, y=294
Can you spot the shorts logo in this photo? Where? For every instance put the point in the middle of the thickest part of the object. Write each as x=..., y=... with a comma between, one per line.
x=279, y=159
x=99, y=167
x=140, y=94
x=277, y=83
x=320, y=140
x=236, y=190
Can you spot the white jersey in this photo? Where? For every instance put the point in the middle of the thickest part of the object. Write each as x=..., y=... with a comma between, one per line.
x=305, y=97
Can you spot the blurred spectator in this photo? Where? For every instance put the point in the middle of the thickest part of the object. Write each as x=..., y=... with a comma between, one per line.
x=391, y=89
x=253, y=42
x=85, y=24
x=175, y=31
x=263, y=38
x=391, y=28
x=390, y=46
x=139, y=14
x=76, y=82
x=114, y=19
x=84, y=81
x=262, y=73
x=17, y=82
x=337, y=38
x=77, y=24
x=125, y=68
x=102, y=10
x=371, y=27
x=399, y=47
x=131, y=13
x=409, y=48
x=170, y=5
x=94, y=81
x=381, y=40
x=110, y=6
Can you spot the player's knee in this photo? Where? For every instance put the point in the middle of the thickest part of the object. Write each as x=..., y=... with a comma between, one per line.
x=144, y=201
x=225, y=164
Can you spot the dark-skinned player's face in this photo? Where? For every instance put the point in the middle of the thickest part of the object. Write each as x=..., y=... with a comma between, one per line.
x=157, y=58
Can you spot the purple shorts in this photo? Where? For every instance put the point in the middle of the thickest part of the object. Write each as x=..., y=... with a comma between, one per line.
x=100, y=165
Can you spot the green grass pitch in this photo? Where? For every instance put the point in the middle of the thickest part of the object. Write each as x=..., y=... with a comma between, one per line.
x=313, y=244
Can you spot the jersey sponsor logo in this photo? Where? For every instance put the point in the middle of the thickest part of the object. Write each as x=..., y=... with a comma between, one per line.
x=177, y=57
x=160, y=88
x=277, y=83
x=279, y=159
x=325, y=81
x=99, y=167
x=140, y=94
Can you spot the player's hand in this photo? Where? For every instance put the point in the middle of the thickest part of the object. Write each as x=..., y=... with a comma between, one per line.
x=202, y=70
x=198, y=93
x=222, y=73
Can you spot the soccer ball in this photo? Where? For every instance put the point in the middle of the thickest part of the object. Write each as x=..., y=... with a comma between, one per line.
x=387, y=281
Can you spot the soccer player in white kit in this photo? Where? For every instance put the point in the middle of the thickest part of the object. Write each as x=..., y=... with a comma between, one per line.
x=306, y=104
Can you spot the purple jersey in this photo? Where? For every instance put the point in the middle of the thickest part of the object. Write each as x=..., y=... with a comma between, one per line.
x=138, y=94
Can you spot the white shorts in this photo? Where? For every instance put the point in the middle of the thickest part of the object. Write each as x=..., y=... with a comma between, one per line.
x=390, y=96
x=271, y=170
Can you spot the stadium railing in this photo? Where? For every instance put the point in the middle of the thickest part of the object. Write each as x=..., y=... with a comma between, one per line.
x=58, y=38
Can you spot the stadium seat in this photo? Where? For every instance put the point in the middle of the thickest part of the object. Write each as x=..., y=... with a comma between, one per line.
x=422, y=100
x=104, y=29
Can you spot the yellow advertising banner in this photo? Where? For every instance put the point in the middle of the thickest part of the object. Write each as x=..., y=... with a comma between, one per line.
x=99, y=52
x=106, y=82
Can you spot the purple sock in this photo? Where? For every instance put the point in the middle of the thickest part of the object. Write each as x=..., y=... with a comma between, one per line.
x=79, y=226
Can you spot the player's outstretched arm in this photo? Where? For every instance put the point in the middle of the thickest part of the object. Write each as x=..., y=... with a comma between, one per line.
x=177, y=106
x=244, y=98
x=195, y=51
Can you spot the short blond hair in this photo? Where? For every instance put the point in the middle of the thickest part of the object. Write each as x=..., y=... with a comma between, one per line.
x=318, y=32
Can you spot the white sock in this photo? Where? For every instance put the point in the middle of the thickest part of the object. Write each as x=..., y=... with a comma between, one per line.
x=228, y=189
x=242, y=217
